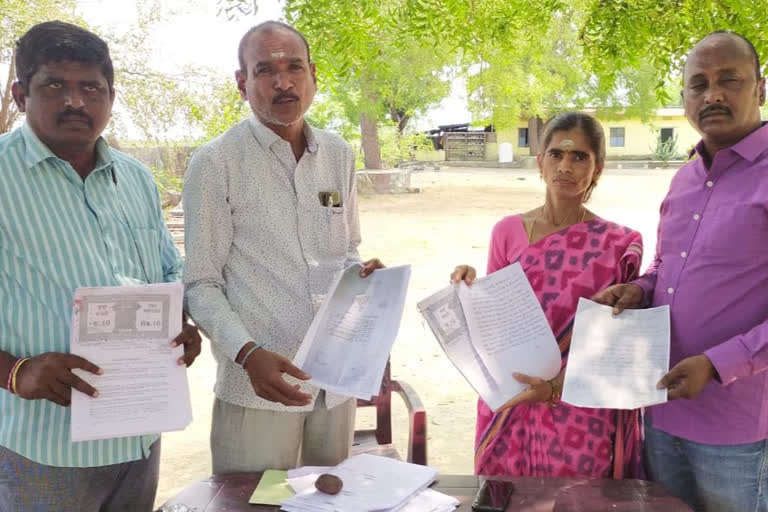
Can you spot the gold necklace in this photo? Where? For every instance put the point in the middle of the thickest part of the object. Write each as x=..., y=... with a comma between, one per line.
x=541, y=214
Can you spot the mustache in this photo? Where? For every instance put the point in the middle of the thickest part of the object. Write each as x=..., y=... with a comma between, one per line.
x=714, y=109
x=285, y=96
x=73, y=114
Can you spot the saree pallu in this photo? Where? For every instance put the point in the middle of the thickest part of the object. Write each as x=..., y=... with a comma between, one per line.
x=562, y=440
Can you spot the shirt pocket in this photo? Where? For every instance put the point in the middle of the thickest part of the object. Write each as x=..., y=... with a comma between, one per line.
x=737, y=231
x=328, y=233
x=147, y=244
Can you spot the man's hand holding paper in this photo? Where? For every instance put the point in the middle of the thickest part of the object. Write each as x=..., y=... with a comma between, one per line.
x=265, y=370
x=347, y=346
x=49, y=377
x=190, y=338
x=688, y=378
x=621, y=297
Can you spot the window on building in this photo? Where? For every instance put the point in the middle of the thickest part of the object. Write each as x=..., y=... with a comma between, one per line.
x=522, y=137
x=667, y=134
x=617, y=137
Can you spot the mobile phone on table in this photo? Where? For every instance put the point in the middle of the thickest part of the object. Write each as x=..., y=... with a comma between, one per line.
x=493, y=496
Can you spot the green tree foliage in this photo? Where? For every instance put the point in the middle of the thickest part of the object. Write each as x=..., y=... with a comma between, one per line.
x=215, y=108
x=524, y=57
x=622, y=34
x=16, y=16
x=370, y=63
x=535, y=77
x=149, y=99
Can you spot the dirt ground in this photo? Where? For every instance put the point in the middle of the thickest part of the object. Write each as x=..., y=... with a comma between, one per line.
x=446, y=224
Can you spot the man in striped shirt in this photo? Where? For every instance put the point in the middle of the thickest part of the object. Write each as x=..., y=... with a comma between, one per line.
x=75, y=213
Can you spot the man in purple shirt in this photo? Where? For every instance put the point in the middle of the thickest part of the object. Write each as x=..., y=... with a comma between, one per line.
x=707, y=445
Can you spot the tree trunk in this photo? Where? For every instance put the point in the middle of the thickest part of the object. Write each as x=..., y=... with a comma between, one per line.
x=370, y=142
x=8, y=113
x=535, y=131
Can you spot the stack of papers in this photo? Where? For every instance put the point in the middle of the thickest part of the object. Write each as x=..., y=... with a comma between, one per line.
x=347, y=346
x=490, y=330
x=127, y=332
x=371, y=484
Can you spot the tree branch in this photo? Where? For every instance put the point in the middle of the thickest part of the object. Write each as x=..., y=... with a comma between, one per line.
x=8, y=113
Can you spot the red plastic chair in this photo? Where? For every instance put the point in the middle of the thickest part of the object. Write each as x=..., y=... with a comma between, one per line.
x=381, y=436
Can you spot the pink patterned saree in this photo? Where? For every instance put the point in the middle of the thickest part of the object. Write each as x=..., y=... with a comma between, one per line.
x=564, y=440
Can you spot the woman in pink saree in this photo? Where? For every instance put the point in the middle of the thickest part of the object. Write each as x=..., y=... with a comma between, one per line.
x=567, y=252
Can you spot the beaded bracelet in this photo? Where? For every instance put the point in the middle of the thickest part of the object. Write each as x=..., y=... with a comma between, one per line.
x=556, y=393
x=11, y=384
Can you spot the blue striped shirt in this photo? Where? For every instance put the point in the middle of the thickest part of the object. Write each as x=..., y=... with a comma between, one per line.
x=58, y=233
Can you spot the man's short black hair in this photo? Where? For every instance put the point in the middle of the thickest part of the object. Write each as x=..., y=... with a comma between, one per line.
x=266, y=26
x=750, y=47
x=56, y=41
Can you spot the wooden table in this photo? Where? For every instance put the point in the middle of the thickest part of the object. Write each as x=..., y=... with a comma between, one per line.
x=231, y=492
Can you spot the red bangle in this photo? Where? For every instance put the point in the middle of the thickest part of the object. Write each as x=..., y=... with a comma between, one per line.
x=9, y=384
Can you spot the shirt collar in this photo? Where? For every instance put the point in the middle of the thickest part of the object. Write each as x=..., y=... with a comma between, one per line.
x=267, y=137
x=37, y=151
x=749, y=148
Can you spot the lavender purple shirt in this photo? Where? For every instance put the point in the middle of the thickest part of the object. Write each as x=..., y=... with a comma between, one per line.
x=711, y=268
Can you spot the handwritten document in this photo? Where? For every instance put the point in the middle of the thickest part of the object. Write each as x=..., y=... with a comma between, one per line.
x=127, y=332
x=347, y=345
x=490, y=330
x=616, y=361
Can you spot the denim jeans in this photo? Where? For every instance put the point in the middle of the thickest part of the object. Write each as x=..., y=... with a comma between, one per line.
x=709, y=478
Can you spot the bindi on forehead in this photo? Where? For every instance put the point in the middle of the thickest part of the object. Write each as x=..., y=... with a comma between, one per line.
x=277, y=54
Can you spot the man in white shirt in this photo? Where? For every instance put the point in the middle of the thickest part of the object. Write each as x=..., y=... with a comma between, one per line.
x=271, y=217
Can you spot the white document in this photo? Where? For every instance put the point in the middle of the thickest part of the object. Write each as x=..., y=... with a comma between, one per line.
x=371, y=483
x=347, y=345
x=445, y=316
x=492, y=329
x=303, y=479
x=615, y=361
x=127, y=331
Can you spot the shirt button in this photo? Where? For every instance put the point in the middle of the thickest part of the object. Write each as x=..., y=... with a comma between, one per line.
x=710, y=184
x=696, y=216
x=670, y=290
x=684, y=254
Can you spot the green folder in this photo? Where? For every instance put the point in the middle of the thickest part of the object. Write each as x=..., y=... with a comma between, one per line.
x=272, y=489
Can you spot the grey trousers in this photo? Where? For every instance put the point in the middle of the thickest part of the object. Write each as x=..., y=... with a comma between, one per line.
x=245, y=439
x=26, y=486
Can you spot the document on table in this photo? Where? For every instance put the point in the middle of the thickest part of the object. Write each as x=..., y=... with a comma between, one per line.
x=615, y=361
x=347, y=345
x=371, y=483
x=127, y=331
x=490, y=330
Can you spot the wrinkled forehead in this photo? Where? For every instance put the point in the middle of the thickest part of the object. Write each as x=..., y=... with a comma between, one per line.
x=718, y=54
x=274, y=44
